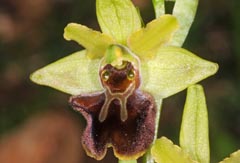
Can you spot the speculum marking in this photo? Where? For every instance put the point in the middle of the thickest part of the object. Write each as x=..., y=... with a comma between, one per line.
x=119, y=83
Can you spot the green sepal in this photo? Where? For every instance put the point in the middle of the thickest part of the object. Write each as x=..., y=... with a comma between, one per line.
x=146, y=41
x=184, y=11
x=74, y=74
x=234, y=158
x=95, y=42
x=164, y=151
x=172, y=70
x=118, y=18
x=194, y=137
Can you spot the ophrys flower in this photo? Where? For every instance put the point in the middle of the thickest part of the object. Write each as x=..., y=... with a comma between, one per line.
x=164, y=70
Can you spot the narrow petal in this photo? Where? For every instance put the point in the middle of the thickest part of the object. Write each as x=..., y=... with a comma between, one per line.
x=74, y=74
x=194, y=138
x=95, y=42
x=172, y=70
x=164, y=151
x=157, y=33
x=118, y=18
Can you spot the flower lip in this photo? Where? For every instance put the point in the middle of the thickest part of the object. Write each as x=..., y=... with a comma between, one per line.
x=129, y=139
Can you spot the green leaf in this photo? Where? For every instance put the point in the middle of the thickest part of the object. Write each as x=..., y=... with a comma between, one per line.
x=74, y=74
x=118, y=18
x=194, y=138
x=234, y=158
x=159, y=7
x=164, y=151
x=95, y=42
x=157, y=33
x=185, y=11
x=172, y=70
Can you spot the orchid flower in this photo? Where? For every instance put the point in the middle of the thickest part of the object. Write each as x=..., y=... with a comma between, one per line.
x=118, y=82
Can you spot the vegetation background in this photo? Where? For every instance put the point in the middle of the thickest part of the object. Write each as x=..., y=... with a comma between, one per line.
x=36, y=122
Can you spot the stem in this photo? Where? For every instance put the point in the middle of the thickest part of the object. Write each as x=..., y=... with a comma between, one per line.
x=147, y=157
x=127, y=161
x=159, y=105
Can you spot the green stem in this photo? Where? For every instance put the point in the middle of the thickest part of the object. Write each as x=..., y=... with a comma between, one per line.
x=147, y=157
x=159, y=105
x=127, y=161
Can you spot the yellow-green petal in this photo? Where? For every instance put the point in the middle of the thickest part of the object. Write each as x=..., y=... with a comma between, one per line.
x=157, y=33
x=172, y=70
x=194, y=138
x=95, y=42
x=234, y=158
x=74, y=74
x=118, y=18
x=164, y=151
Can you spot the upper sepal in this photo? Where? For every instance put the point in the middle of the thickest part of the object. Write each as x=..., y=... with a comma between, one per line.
x=118, y=18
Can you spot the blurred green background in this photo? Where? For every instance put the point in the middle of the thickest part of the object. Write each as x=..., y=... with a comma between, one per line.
x=31, y=37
